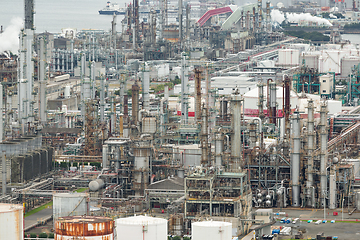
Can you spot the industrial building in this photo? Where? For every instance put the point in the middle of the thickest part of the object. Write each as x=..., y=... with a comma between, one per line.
x=199, y=126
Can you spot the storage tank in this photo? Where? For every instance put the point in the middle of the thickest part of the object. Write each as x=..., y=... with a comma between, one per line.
x=69, y=204
x=213, y=230
x=12, y=222
x=251, y=99
x=67, y=91
x=289, y=57
x=96, y=184
x=311, y=61
x=347, y=63
x=84, y=227
x=141, y=227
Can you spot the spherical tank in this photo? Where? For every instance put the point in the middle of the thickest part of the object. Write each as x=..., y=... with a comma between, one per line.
x=12, y=223
x=86, y=227
x=141, y=227
x=96, y=184
x=69, y=204
x=213, y=230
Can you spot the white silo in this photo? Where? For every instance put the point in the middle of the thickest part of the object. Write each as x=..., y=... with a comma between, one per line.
x=141, y=227
x=12, y=221
x=69, y=204
x=213, y=230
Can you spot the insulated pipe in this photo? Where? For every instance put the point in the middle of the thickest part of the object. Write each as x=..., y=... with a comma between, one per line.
x=295, y=160
x=323, y=151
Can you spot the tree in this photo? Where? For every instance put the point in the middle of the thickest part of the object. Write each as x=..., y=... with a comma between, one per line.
x=43, y=235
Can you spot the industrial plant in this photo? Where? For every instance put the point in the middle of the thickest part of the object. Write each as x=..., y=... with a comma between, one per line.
x=197, y=120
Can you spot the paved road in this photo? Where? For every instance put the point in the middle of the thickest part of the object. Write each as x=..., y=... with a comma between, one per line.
x=38, y=217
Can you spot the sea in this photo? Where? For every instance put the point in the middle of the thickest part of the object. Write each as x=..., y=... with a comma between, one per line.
x=54, y=15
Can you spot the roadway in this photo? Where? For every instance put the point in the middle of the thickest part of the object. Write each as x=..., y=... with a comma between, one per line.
x=38, y=218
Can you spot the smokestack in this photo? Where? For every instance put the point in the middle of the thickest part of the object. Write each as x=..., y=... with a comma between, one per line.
x=29, y=14
x=135, y=102
x=197, y=94
x=295, y=160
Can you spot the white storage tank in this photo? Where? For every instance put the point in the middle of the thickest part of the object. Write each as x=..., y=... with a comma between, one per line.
x=67, y=91
x=141, y=227
x=289, y=57
x=96, y=184
x=311, y=61
x=84, y=228
x=347, y=63
x=251, y=99
x=213, y=230
x=12, y=221
x=69, y=204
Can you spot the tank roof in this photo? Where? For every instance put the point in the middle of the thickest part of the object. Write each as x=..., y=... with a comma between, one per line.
x=84, y=219
x=212, y=224
x=4, y=207
x=135, y=220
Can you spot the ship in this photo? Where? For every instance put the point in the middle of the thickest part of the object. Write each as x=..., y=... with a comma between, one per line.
x=112, y=9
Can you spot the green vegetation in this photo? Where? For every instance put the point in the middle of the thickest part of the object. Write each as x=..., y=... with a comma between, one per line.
x=43, y=235
x=176, y=238
x=313, y=36
x=33, y=235
x=50, y=235
x=327, y=15
x=352, y=26
x=161, y=87
x=186, y=238
x=81, y=190
x=38, y=209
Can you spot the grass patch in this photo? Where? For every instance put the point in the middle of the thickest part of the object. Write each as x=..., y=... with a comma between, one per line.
x=38, y=209
x=81, y=190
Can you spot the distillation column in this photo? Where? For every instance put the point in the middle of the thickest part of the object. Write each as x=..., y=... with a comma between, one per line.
x=135, y=102
x=42, y=82
x=236, y=145
x=204, y=138
x=197, y=94
x=145, y=90
x=310, y=150
x=323, y=152
x=184, y=89
x=295, y=159
x=272, y=103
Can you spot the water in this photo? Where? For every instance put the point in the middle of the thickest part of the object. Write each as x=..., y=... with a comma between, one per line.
x=53, y=15
x=353, y=38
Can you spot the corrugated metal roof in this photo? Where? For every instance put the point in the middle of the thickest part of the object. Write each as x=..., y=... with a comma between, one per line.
x=235, y=16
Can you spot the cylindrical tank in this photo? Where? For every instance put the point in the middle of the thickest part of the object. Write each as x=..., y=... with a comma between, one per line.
x=69, y=204
x=67, y=91
x=213, y=230
x=141, y=227
x=12, y=223
x=84, y=227
x=96, y=184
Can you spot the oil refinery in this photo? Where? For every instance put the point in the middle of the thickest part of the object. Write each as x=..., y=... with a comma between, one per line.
x=197, y=120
